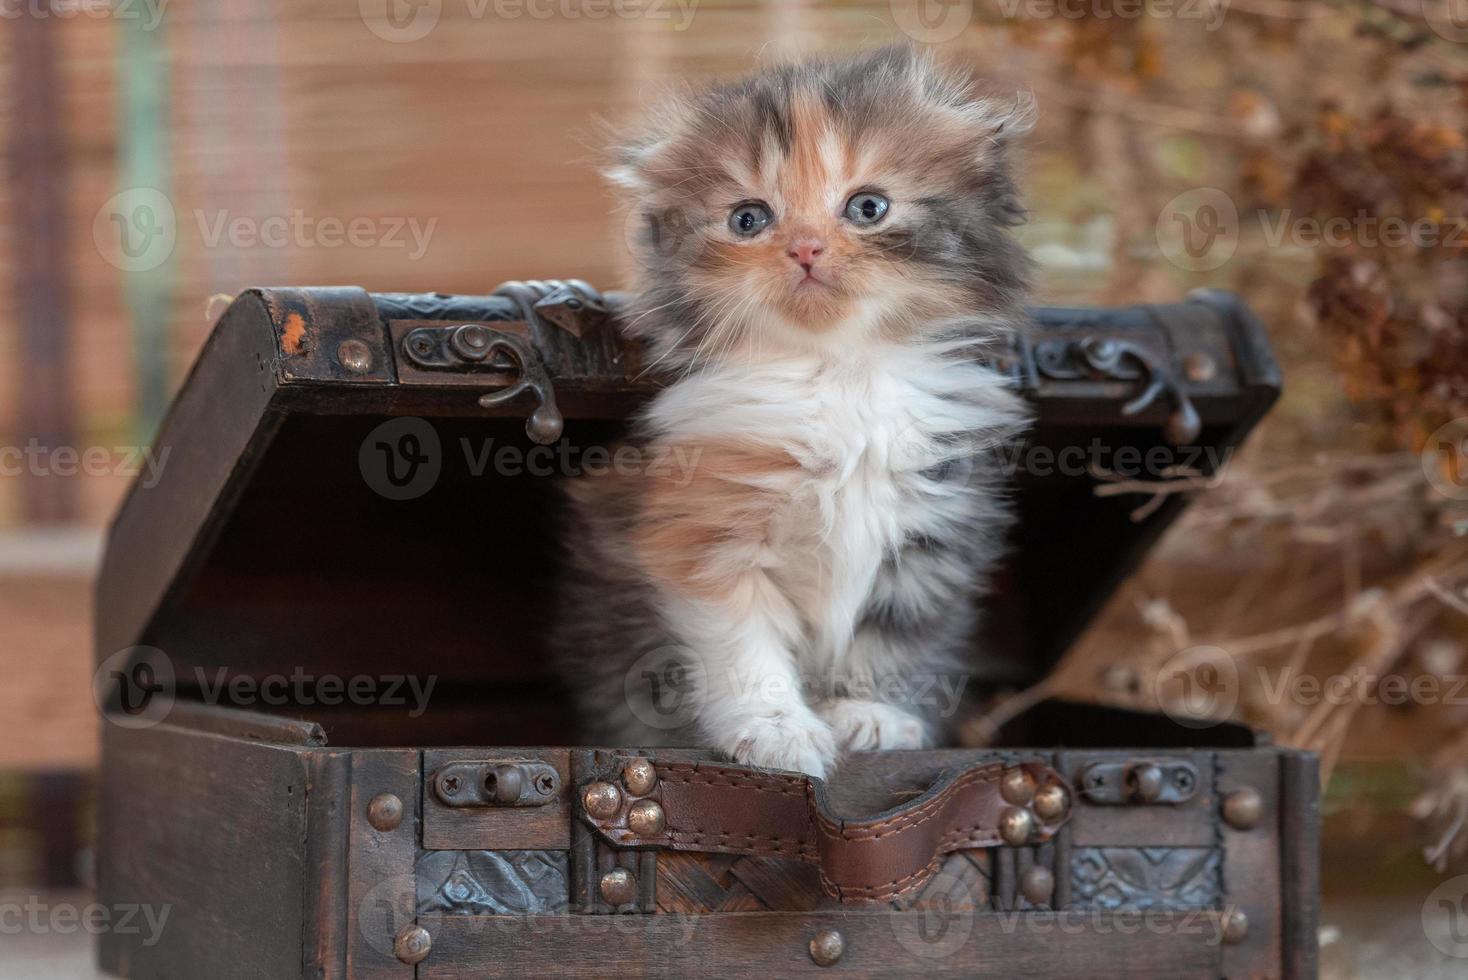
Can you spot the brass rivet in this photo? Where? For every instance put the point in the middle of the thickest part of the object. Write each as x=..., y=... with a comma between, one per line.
x=601, y=799
x=827, y=946
x=1235, y=926
x=354, y=356
x=1017, y=786
x=1037, y=885
x=639, y=777
x=618, y=887
x=645, y=818
x=1199, y=368
x=413, y=945
x=385, y=812
x=1016, y=825
x=1242, y=808
x=1051, y=801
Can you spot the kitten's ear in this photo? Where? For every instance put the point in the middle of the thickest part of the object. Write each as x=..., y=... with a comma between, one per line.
x=628, y=169
x=1012, y=118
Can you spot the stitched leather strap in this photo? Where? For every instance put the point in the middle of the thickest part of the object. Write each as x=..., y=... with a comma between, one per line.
x=704, y=806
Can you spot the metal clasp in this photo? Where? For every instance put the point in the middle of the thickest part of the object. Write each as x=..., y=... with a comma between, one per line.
x=512, y=782
x=1140, y=782
x=1121, y=360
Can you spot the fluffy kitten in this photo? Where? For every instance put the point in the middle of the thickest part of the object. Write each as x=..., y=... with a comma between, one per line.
x=826, y=252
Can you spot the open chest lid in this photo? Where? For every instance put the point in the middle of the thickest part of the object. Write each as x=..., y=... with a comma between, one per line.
x=350, y=482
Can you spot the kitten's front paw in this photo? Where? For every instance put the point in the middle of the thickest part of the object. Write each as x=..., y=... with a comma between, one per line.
x=794, y=742
x=862, y=726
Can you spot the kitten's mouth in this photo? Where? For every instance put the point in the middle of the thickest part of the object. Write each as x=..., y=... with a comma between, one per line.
x=811, y=281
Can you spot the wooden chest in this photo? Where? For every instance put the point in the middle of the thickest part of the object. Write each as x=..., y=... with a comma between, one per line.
x=335, y=747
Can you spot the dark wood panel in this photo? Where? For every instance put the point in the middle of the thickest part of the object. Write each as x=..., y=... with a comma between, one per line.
x=1190, y=824
x=1299, y=843
x=777, y=944
x=493, y=828
x=1251, y=863
x=382, y=893
x=209, y=831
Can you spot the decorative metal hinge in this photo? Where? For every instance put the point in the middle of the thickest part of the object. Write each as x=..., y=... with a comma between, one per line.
x=479, y=348
x=498, y=782
x=1121, y=360
x=1140, y=782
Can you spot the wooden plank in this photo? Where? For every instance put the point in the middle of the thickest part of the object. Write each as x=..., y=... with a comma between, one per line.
x=1251, y=864
x=497, y=828
x=207, y=831
x=1190, y=824
x=242, y=723
x=382, y=890
x=885, y=944
x=1299, y=844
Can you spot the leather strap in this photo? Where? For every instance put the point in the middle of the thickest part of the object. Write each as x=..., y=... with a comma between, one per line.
x=704, y=806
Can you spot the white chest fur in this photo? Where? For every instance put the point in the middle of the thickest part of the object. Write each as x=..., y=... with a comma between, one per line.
x=881, y=438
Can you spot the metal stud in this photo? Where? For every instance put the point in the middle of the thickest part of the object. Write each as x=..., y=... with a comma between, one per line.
x=385, y=812
x=1243, y=808
x=355, y=356
x=1017, y=786
x=1037, y=885
x=1016, y=825
x=601, y=799
x=413, y=945
x=827, y=946
x=639, y=776
x=1051, y=801
x=1235, y=926
x=646, y=818
x=618, y=887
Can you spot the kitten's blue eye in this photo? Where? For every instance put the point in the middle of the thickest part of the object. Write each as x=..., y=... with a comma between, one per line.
x=866, y=208
x=748, y=220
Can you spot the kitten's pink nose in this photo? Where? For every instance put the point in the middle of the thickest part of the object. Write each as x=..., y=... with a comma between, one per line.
x=804, y=251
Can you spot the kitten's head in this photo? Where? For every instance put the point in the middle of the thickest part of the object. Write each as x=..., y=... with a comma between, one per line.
x=833, y=201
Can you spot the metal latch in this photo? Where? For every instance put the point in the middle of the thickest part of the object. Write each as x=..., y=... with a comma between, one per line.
x=1121, y=360
x=498, y=782
x=1140, y=782
x=476, y=348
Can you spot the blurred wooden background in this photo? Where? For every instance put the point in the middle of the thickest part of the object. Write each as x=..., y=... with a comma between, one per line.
x=479, y=125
